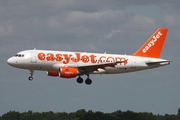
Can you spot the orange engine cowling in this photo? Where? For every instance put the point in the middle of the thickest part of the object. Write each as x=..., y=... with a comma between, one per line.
x=66, y=72
x=53, y=73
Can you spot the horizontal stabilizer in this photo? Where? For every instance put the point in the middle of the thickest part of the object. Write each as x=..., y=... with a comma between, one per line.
x=158, y=63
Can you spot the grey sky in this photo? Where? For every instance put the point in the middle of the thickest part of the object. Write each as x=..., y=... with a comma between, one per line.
x=110, y=26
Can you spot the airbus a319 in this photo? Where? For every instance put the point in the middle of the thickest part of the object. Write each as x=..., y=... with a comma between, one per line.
x=67, y=64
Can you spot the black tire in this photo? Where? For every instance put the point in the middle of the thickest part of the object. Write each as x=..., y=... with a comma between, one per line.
x=30, y=78
x=88, y=81
x=79, y=80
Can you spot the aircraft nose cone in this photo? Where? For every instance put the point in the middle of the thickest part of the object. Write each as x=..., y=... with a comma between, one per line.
x=10, y=61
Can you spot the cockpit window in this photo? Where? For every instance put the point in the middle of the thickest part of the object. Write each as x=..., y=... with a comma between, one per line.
x=19, y=55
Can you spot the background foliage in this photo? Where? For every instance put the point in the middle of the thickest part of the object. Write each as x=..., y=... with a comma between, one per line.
x=87, y=115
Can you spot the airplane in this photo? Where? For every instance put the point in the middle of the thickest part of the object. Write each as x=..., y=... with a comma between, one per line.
x=66, y=64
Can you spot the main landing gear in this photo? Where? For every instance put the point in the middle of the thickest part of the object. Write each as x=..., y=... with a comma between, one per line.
x=31, y=73
x=88, y=81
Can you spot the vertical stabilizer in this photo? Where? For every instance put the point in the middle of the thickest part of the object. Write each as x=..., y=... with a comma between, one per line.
x=153, y=46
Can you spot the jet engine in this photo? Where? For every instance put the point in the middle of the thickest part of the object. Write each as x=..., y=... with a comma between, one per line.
x=64, y=72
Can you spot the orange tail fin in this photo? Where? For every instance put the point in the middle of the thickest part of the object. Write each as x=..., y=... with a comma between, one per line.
x=153, y=46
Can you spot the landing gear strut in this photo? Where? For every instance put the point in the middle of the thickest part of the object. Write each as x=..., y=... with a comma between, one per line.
x=88, y=81
x=31, y=73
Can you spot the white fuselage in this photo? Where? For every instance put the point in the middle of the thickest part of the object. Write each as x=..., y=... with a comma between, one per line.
x=46, y=60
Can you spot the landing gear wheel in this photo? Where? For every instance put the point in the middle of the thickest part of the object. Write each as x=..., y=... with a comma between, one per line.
x=30, y=78
x=88, y=81
x=79, y=80
x=31, y=73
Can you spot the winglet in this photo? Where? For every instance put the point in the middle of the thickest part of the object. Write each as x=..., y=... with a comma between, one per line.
x=153, y=46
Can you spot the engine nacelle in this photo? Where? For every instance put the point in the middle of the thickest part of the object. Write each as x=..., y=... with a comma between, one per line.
x=53, y=73
x=66, y=72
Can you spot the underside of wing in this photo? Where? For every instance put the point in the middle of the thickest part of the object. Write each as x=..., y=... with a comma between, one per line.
x=90, y=67
x=96, y=66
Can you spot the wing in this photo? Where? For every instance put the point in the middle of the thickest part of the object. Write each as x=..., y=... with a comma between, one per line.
x=90, y=67
x=109, y=64
x=95, y=67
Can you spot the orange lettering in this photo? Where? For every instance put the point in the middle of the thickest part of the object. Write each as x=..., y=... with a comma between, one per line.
x=101, y=59
x=110, y=59
x=124, y=60
x=67, y=58
x=93, y=58
x=77, y=57
x=50, y=57
x=85, y=58
x=41, y=56
x=58, y=57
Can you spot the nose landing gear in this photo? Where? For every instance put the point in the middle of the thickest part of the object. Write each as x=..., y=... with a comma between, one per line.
x=31, y=73
x=30, y=78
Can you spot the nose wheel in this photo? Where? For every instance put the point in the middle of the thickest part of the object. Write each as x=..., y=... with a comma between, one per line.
x=30, y=78
x=31, y=73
